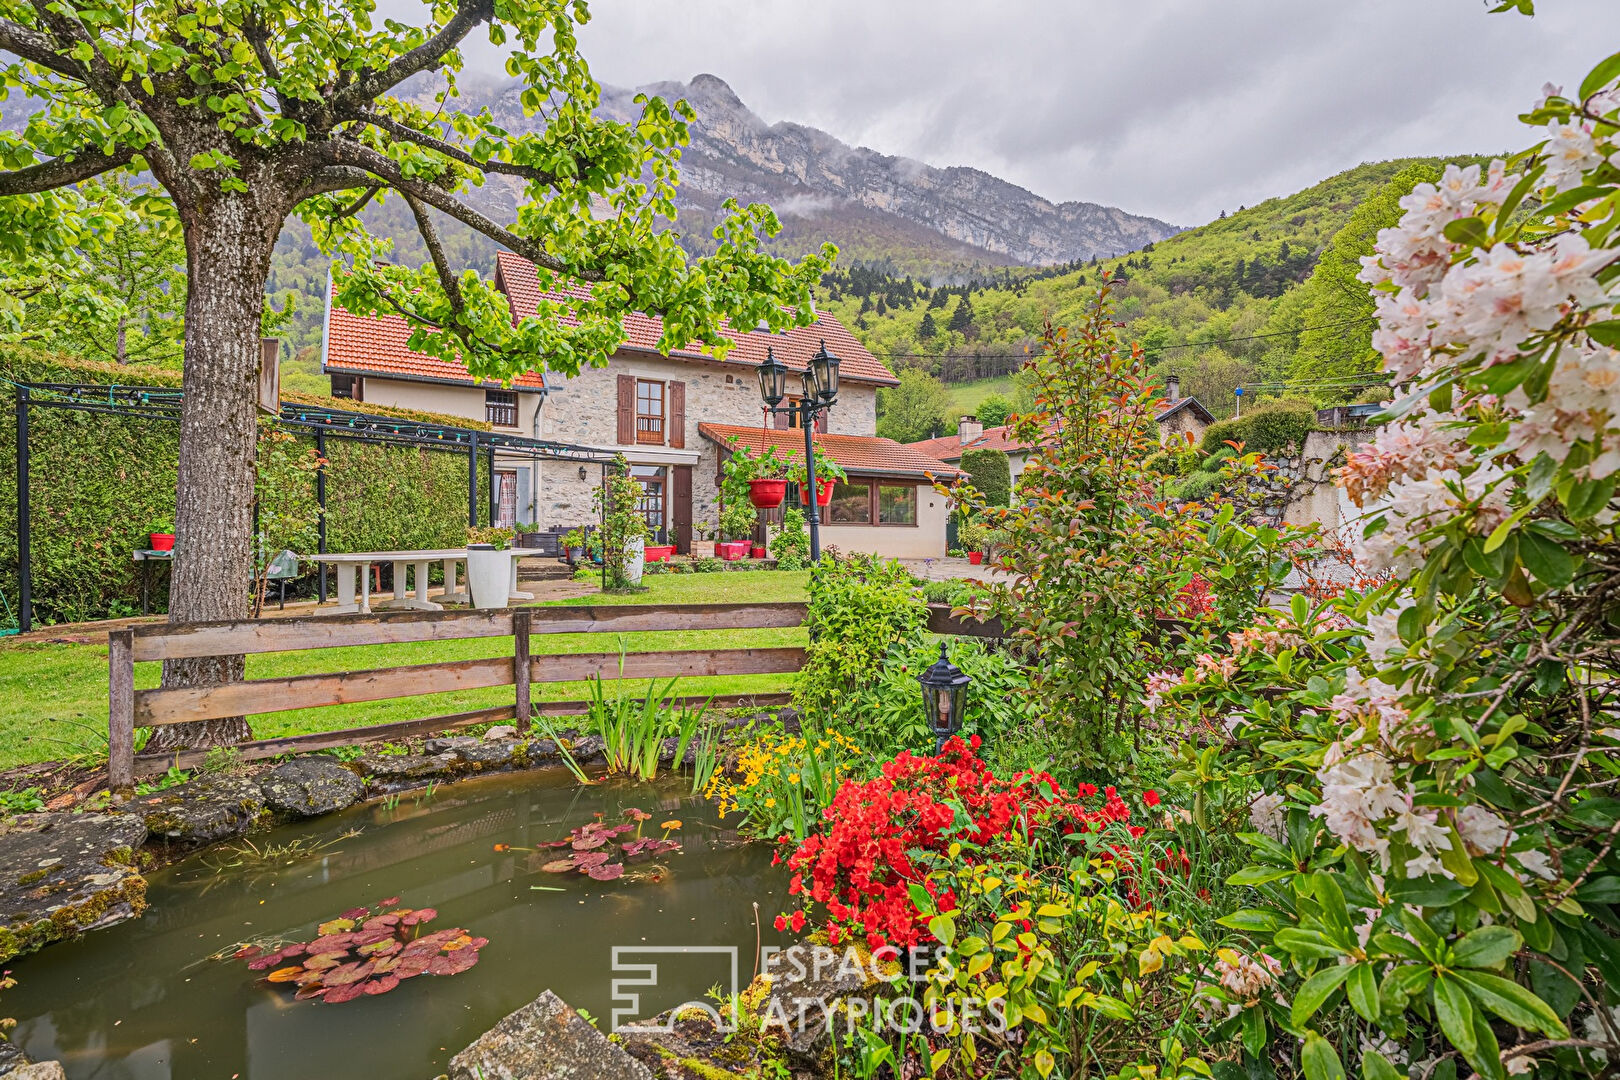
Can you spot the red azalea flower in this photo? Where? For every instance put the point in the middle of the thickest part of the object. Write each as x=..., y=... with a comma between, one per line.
x=1150, y=797
x=781, y=922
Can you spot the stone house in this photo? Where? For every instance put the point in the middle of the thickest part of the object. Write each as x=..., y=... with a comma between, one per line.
x=671, y=416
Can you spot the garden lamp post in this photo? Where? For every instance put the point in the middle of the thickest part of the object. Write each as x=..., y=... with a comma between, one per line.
x=819, y=392
x=944, y=688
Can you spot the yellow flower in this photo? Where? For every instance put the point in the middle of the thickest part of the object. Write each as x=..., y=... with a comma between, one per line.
x=793, y=778
x=671, y=824
x=769, y=803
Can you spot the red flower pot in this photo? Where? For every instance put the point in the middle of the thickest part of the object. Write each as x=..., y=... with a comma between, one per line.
x=719, y=549
x=732, y=550
x=767, y=494
x=757, y=551
x=162, y=541
x=659, y=552
x=975, y=557
x=824, y=490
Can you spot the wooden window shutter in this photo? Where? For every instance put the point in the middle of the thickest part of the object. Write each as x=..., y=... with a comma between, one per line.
x=677, y=415
x=780, y=421
x=627, y=409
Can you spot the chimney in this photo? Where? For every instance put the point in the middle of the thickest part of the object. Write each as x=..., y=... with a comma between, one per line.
x=1172, y=387
x=968, y=428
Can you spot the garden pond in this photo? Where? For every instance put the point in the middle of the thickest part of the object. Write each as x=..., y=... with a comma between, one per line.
x=165, y=997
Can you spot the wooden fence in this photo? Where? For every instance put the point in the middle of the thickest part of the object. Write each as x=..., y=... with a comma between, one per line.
x=129, y=708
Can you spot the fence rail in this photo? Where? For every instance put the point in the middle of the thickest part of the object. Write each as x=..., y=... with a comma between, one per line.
x=129, y=708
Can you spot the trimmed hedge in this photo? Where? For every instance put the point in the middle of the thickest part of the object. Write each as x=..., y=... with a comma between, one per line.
x=991, y=474
x=1269, y=429
x=98, y=484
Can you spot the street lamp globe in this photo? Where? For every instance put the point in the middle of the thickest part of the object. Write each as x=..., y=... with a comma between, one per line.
x=944, y=688
x=824, y=369
x=772, y=379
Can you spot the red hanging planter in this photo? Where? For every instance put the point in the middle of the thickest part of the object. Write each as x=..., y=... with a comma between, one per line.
x=767, y=494
x=824, y=490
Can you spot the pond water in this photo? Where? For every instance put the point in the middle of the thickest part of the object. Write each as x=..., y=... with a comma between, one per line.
x=144, y=1001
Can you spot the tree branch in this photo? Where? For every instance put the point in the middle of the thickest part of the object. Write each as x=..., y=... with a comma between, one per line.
x=455, y=153
x=342, y=153
x=37, y=49
x=469, y=13
x=430, y=237
x=61, y=171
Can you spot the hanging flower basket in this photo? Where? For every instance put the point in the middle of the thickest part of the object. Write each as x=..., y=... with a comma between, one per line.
x=824, y=490
x=767, y=494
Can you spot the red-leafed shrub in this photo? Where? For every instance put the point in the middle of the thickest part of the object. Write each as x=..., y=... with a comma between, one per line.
x=860, y=866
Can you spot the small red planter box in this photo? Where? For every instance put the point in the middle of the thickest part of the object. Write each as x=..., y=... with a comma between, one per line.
x=975, y=557
x=731, y=550
x=767, y=494
x=757, y=551
x=660, y=552
x=161, y=541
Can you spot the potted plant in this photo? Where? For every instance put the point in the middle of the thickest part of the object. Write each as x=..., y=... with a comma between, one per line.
x=828, y=473
x=162, y=537
x=972, y=536
x=624, y=528
x=768, y=485
x=737, y=519
x=573, y=543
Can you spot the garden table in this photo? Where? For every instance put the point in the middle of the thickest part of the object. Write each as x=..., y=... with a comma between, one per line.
x=146, y=557
x=351, y=566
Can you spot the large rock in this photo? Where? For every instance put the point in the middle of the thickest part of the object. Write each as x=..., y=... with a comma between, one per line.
x=204, y=811
x=397, y=767
x=493, y=755
x=586, y=749
x=308, y=786
x=42, y=1070
x=545, y=1040
x=449, y=744
x=61, y=874
x=803, y=986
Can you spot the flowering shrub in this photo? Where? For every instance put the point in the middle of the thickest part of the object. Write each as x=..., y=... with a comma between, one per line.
x=780, y=782
x=863, y=865
x=1435, y=841
x=1094, y=551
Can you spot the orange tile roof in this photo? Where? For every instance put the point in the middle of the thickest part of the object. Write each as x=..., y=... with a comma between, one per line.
x=858, y=454
x=520, y=281
x=366, y=344
x=950, y=447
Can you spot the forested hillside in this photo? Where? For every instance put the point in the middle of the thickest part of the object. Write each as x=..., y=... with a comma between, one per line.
x=1265, y=297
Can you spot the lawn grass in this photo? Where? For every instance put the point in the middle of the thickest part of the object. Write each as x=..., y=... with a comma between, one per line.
x=53, y=697
x=967, y=395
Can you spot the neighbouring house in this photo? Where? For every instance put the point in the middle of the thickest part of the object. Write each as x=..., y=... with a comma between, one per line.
x=651, y=408
x=1178, y=417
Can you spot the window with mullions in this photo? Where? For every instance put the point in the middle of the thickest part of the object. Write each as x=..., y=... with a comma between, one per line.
x=500, y=407
x=653, y=504
x=649, y=412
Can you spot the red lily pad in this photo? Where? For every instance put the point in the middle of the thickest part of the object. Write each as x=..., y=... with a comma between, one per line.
x=382, y=985
x=419, y=916
x=305, y=993
x=355, y=913
x=338, y=994
x=559, y=866
x=453, y=963
x=410, y=967
x=381, y=922
x=345, y=974
x=336, y=926
x=390, y=902
x=606, y=872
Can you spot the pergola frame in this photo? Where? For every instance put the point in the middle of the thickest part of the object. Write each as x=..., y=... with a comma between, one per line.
x=163, y=403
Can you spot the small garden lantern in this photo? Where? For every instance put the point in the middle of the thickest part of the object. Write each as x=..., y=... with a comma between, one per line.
x=944, y=687
x=824, y=370
x=772, y=379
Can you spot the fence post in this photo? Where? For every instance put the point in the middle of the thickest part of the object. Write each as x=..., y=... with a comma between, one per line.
x=520, y=668
x=121, y=709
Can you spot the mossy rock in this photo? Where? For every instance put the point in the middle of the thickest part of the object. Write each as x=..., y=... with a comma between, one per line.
x=63, y=874
x=203, y=811
x=310, y=786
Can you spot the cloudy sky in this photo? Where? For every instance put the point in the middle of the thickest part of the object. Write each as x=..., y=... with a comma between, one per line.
x=1173, y=108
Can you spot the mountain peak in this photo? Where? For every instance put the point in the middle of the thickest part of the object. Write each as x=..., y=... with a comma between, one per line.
x=712, y=88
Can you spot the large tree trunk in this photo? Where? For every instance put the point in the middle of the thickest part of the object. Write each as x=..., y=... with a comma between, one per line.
x=228, y=247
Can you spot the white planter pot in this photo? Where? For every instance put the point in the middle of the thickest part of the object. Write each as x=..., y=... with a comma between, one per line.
x=635, y=559
x=489, y=576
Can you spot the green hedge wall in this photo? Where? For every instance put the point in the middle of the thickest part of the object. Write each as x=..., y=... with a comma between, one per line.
x=99, y=484
x=1269, y=429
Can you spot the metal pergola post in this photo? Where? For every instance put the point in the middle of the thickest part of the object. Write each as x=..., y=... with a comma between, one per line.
x=472, y=481
x=320, y=505
x=25, y=570
x=489, y=458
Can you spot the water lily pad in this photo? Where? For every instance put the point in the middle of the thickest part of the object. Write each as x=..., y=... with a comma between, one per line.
x=336, y=926
x=459, y=942
x=410, y=967
x=589, y=841
x=453, y=963
x=331, y=943
x=324, y=961
x=305, y=993
x=337, y=994
x=344, y=974
x=385, y=947
x=286, y=974
x=390, y=902
x=381, y=922
x=606, y=872
x=248, y=952
x=559, y=866
x=419, y=916
x=382, y=985
x=355, y=913
x=587, y=859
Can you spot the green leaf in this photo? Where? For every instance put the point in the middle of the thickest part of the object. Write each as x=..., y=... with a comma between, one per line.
x=1316, y=990
x=1321, y=1061
x=1432, y=891
x=1255, y=1031
x=1456, y=1015
x=1469, y=230
x=1375, y=1066
x=1513, y=1003
x=1606, y=72
x=1307, y=945
x=1254, y=919
x=1546, y=559
x=920, y=899
x=1259, y=875
x=1363, y=991
x=1487, y=947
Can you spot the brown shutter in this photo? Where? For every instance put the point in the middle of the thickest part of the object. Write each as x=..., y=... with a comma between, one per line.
x=627, y=409
x=677, y=415
x=681, y=506
x=780, y=421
